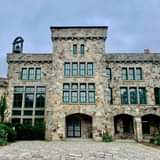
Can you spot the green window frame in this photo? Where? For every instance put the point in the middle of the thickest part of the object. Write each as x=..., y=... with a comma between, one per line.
x=124, y=74
x=82, y=69
x=66, y=93
x=90, y=69
x=66, y=69
x=131, y=74
x=109, y=73
x=139, y=74
x=110, y=96
x=38, y=73
x=157, y=96
x=74, y=69
x=83, y=93
x=31, y=75
x=91, y=93
x=74, y=49
x=82, y=49
x=133, y=95
x=24, y=74
x=74, y=93
x=124, y=95
x=142, y=95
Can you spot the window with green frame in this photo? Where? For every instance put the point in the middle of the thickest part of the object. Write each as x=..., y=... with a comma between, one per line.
x=74, y=93
x=38, y=74
x=142, y=95
x=74, y=69
x=157, y=95
x=91, y=93
x=131, y=74
x=74, y=49
x=82, y=69
x=124, y=74
x=90, y=69
x=24, y=74
x=83, y=93
x=139, y=74
x=82, y=49
x=108, y=73
x=31, y=74
x=66, y=69
x=124, y=95
x=66, y=93
x=133, y=95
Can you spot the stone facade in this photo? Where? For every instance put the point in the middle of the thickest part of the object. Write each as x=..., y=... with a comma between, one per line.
x=101, y=113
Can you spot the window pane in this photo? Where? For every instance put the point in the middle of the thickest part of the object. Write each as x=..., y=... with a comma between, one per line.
x=142, y=96
x=90, y=69
x=110, y=96
x=38, y=73
x=82, y=69
x=27, y=121
x=28, y=113
x=15, y=120
x=74, y=49
x=66, y=96
x=91, y=97
x=138, y=74
x=39, y=113
x=40, y=100
x=19, y=89
x=66, y=69
x=124, y=95
x=74, y=69
x=30, y=89
x=74, y=86
x=41, y=89
x=24, y=74
x=108, y=73
x=66, y=86
x=16, y=113
x=39, y=122
x=124, y=74
x=31, y=74
x=82, y=49
x=17, y=101
x=131, y=74
x=74, y=97
x=83, y=87
x=29, y=100
x=83, y=97
x=133, y=95
x=157, y=95
x=91, y=87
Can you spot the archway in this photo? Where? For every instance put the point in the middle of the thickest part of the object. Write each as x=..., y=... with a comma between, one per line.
x=123, y=125
x=78, y=126
x=150, y=125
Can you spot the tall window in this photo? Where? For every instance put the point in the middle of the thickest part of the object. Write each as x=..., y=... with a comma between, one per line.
x=142, y=96
x=38, y=73
x=31, y=74
x=29, y=97
x=66, y=92
x=82, y=69
x=66, y=69
x=133, y=96
x=74, y=69
x=40, y=97
x=91, y=93
x=83, y=93
x=124, y=74
x=157, y=95
x=74, y=93
x=108, y=73
x=18, y=95
x=74, y=49
x=138, y=74
x=131, y=74
x=110, y=96
x=124, y=95
x=24, y=74
x=82, y=49
x=90, y=69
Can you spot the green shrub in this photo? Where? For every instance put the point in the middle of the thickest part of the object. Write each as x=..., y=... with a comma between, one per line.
x=156, y=140
x=3, y=134
x=28, y=132
x=106, y=137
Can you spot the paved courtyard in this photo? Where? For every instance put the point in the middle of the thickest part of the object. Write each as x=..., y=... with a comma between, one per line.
x=74, y=150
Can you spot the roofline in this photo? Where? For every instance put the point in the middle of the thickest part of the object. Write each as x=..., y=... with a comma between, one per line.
x=74, y=27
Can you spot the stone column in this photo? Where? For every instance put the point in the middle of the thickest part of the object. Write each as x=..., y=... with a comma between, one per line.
x=138, y=129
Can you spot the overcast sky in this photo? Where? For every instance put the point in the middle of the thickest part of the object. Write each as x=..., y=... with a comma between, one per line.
x=133, y=24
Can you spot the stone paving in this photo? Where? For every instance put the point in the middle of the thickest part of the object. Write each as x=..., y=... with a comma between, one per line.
x=75, y=150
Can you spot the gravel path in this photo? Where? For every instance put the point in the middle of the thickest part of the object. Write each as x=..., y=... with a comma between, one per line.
x=74, y=150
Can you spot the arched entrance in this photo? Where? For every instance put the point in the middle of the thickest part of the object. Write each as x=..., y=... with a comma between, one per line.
x=150, y=125
x=79, y=126
x=123, y=125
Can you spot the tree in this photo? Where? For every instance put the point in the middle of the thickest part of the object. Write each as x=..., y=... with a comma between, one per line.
x=3, y=107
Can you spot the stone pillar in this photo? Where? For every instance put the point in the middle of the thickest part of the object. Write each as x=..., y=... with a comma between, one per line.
x=138, y=129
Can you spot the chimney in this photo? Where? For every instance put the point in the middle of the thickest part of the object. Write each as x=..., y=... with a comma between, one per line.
x=146, y=51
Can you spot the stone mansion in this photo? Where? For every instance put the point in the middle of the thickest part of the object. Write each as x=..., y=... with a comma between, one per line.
x=80, y=91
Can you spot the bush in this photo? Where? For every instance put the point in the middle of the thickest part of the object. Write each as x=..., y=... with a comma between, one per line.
x=156, y=140
x=106, y=137
x=28, y=132
x=3, y=134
